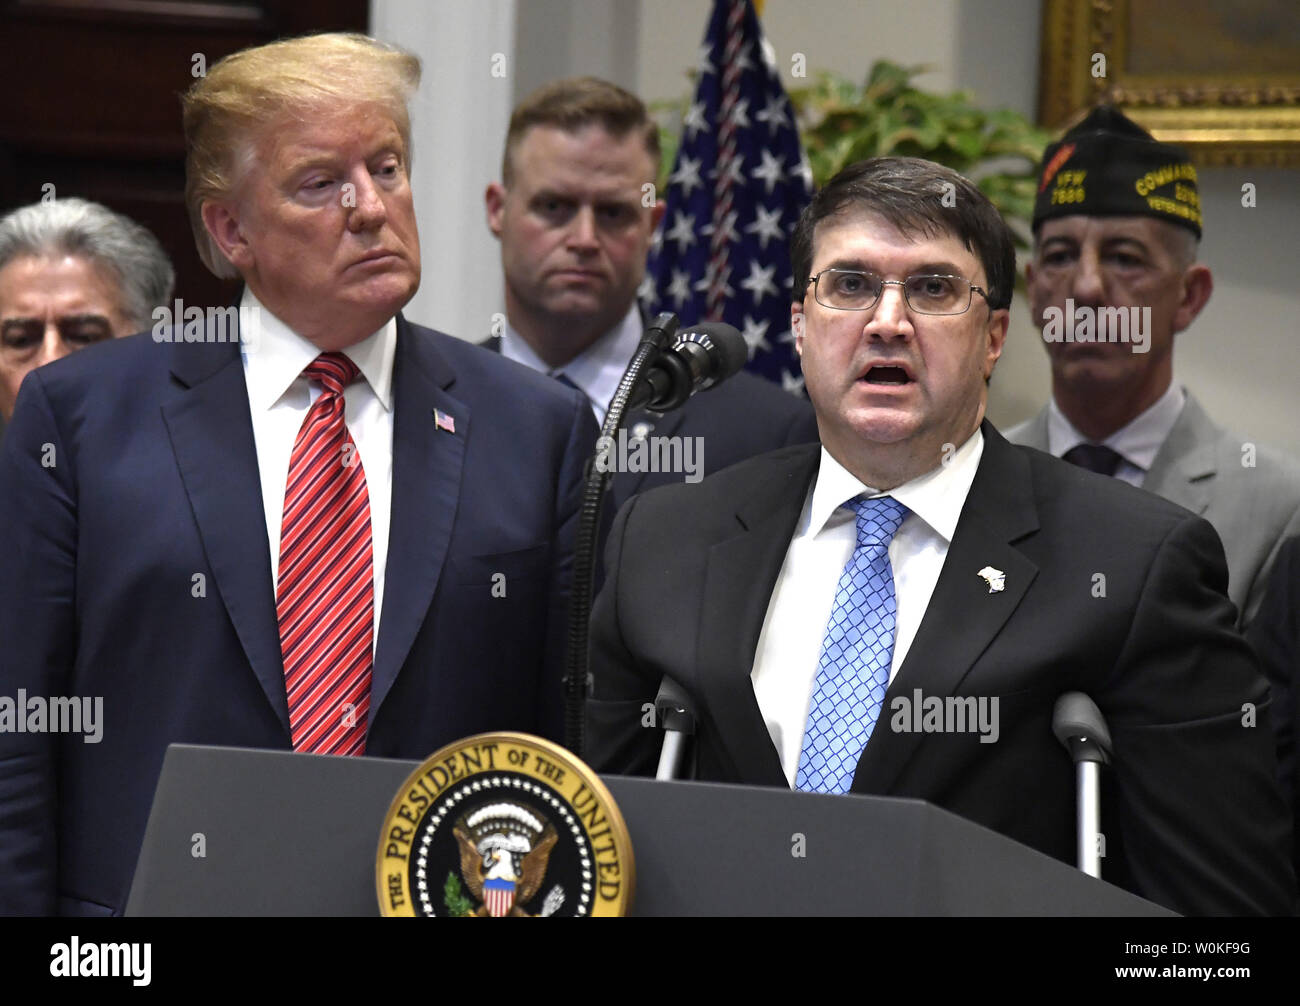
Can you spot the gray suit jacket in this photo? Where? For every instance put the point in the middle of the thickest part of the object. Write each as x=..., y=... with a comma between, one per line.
x=1200, y=467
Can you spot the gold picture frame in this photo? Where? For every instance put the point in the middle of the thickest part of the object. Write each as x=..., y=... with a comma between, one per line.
x=1221, y=79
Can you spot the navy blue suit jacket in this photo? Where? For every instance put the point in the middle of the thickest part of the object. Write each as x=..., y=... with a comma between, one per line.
x=150, y=478
x=739, y=419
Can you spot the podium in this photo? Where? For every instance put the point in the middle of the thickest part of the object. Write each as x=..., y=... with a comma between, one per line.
x=243, y=832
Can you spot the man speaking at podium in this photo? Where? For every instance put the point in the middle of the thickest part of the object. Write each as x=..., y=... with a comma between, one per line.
x=347, y=535
x=811, y=600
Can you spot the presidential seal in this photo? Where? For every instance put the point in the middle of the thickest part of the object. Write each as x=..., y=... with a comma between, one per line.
x=504, y=825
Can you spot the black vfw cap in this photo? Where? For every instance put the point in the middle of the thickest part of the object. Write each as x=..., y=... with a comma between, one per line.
x=1109, y=166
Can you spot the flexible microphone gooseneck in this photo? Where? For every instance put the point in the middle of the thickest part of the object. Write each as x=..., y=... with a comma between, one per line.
x=665, y=371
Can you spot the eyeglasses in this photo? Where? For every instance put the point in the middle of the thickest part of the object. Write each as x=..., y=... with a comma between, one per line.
x=849, y=290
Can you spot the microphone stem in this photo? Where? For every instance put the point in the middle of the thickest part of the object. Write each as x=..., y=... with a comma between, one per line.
x=582, y=582
x=1088, y=775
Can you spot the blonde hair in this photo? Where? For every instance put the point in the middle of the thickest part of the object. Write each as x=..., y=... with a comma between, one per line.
x=226, y=111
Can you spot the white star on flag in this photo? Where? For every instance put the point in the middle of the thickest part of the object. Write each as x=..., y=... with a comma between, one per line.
x=734, y=170
x=707, y=282
x=683, y=231
x=694, y=120
x=743, y=62
x=792, y=382
x=728, y=227
x=759, y=281
x=766, y=225
x=773, y=113
x=769, y=171
x=687, y=175
x=755, y=333
x=804, y=171
x=740, y=114
x=680, y=288
x=703, y=65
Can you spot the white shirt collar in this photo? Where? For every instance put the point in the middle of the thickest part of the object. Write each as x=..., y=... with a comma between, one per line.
x=1137, y=443
x=277, y=356
x=937, y=497
x=597, y=369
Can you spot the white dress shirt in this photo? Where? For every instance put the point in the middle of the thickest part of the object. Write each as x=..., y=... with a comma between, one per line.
x=595, y=371
x=279, y=397
x=790, y=645
x=1137, y=444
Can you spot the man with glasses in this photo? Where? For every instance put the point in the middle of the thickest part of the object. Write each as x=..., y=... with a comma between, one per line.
x=1114, y=278
x=820, y=594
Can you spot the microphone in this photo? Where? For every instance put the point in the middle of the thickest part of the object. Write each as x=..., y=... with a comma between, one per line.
x=676, y=713
x=1079, y=726
x=699, y=358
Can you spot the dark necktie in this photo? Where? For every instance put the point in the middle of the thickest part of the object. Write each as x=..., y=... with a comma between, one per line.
x=1095, y=457
x=563, y=379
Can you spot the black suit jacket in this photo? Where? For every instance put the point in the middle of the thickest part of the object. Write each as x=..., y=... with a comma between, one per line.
x=155, y=481
x=738, y=419
x=1275, y=633
x=1192, y=816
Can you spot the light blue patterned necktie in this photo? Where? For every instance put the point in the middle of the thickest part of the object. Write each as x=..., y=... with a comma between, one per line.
x=856, y=654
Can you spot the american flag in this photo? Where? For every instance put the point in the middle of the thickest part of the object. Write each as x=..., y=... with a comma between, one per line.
x=737, y=188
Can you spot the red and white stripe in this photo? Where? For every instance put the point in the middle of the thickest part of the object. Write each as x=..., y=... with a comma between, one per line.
x=325, y=593
x=722, y=201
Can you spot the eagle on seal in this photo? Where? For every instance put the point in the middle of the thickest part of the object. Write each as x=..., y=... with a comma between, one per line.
x=491, y=879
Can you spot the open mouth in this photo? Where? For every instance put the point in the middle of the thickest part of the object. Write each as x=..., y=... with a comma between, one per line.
x=886, y=375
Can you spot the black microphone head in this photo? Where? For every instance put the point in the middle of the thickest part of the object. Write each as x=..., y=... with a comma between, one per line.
x=722, y=343
x=1079, y=725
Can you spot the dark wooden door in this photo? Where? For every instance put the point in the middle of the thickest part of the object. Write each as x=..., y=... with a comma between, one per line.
x=90, y=102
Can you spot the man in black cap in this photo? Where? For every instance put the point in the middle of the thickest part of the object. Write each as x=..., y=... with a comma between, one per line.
x=1114, y=278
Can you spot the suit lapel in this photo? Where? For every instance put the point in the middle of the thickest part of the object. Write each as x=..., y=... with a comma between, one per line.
x=1184, y=469
x=211, y=434
x=739, y=575
x=427, y=463
x=963, y=616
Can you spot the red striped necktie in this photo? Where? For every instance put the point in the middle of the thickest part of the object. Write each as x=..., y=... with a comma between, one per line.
x=325, y=594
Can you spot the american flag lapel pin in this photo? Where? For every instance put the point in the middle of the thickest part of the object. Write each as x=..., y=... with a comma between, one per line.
x=443, y=421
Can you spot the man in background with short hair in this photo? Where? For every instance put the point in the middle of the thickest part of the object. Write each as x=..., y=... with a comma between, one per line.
x=72, y=273
x=574, y=232
x=1114, y=278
